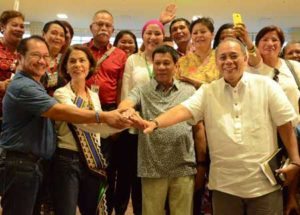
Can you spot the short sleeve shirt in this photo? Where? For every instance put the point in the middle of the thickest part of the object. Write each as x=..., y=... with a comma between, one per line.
x=240, y=124
x=108, y=74
x=24, y=129
x=167, y=152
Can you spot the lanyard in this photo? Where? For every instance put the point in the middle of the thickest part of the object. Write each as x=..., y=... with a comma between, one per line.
x=150, y=72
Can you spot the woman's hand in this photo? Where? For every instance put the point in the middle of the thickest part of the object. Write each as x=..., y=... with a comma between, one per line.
x=4, y=85
x=191, y=81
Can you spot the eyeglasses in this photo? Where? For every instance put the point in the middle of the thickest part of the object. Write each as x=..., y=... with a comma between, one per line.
x=276, y=73
x=38, y=56
x=99, y=25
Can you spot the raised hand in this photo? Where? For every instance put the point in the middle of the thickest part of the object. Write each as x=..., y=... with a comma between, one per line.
x=242, y=33
x=168, y=13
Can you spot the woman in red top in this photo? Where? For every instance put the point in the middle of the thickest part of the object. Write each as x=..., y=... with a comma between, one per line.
x=54, y=32
x=12, y=28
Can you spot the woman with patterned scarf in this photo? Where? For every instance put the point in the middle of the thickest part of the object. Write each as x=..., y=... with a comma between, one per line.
x=78, y=165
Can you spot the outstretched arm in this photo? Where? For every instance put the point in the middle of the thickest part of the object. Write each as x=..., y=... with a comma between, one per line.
x=175, y=115
x=68, y=113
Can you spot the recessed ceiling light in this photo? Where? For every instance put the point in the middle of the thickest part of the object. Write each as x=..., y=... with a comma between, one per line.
x=62, y=16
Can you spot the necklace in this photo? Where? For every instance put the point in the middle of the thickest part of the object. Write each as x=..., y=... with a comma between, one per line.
x=88, y=101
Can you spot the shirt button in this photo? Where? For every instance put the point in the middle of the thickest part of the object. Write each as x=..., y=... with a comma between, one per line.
x=236, y=116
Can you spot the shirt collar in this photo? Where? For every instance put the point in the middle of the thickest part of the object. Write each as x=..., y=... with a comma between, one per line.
x=91, y=45
x=242, y=82
x=156, y=86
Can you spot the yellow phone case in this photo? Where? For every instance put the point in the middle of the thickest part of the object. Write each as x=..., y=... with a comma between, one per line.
x=237, y=18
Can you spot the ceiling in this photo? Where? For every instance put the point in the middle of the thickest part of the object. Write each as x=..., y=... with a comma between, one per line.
x=131, y=14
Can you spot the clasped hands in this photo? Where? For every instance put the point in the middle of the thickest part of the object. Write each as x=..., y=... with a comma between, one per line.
x=128, y=117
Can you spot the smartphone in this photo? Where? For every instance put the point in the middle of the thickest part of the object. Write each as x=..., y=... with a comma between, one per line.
x=237, y=19
x=285, y=164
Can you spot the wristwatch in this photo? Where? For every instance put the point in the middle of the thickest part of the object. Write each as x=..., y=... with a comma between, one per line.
x=156, y=123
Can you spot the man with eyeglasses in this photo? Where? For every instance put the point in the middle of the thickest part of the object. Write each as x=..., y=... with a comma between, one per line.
x=28, y=136
x=107, y=83
x=107, y=79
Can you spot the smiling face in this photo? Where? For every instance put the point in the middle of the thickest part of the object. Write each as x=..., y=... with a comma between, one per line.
x=152, y=37
x=13, y=30
x=226, y=33
x=164, y=68
x=292, y=52
x=269, y=45
x=127, y=44
x=231, y=61
x=78, y=65
x=55, y=37
x=180, y=32
x=35, y=62
x=102, y=28
x=201, y=36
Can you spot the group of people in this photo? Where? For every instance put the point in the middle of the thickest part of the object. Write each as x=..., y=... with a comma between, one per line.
x=91, y=125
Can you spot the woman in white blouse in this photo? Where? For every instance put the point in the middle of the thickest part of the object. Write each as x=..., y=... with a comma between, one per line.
x=73, y=182
x=269, y=41
x=138, y=70
x=139, y=67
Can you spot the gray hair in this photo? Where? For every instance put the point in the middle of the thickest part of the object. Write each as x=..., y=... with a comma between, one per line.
x=242, y=46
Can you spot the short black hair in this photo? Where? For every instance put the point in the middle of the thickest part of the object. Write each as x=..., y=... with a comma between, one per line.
x=65, y=58
x=23, y=48
x=163, y=49
x=121, y=34
x=219, y=32
x=207, y=21
x=57, y=22
x=268, y=29
x=187, y=23
x=68, y=26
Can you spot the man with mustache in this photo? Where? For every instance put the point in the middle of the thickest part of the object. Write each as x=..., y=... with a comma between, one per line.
x=106, y=82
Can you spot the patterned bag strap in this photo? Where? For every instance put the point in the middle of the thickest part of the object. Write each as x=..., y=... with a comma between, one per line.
x=292, y=69
x=101, y=202
x=89, y=146
x=105, y=56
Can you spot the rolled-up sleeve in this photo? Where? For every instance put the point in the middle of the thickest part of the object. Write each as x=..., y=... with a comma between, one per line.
x=280, y=108
x=195, y=104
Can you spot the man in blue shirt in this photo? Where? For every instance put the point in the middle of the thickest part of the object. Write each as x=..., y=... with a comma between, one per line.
x=28, y=135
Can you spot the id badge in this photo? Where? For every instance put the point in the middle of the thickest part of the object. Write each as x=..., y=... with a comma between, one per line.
x=95, y=88
x=52, y=79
